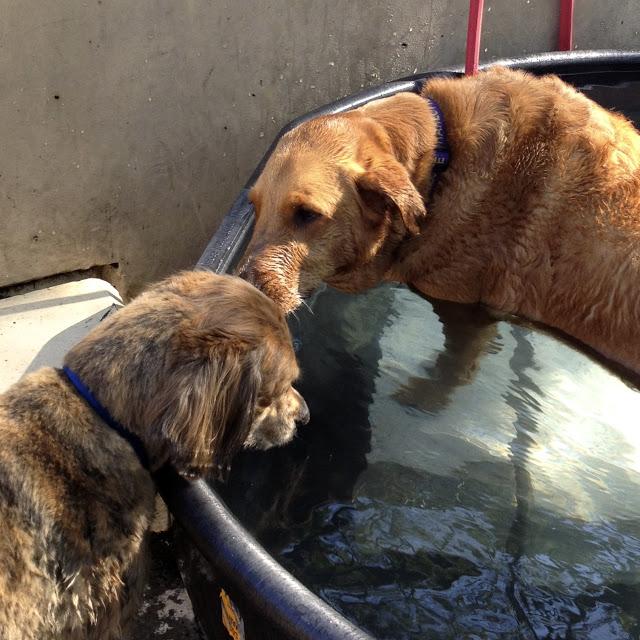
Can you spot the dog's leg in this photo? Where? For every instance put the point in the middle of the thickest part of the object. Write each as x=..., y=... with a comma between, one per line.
x=469, y=332
x=116, y=615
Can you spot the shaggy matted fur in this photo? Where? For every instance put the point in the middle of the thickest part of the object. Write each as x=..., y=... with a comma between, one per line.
x=537, y=215
x=198, y=366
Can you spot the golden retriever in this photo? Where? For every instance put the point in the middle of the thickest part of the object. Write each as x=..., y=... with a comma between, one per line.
x=194, y=369
x=537, y=214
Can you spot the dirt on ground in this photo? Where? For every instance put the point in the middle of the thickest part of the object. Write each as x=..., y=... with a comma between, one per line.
x=166, y=611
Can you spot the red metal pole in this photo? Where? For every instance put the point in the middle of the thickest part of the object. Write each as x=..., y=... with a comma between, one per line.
x=474, y=29
x=565, y=34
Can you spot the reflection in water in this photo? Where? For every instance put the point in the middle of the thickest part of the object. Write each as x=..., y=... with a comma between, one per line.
x=520, y=396
x=468, y=332
x=272, y=491
x=451, y=491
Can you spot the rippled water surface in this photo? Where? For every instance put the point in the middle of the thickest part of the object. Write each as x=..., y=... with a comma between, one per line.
x=461, y=477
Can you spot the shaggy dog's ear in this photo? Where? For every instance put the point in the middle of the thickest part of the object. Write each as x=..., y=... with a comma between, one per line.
x=208, y=402
x=385, y=188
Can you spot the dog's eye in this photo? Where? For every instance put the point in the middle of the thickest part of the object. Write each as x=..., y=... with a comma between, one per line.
x=303, y=216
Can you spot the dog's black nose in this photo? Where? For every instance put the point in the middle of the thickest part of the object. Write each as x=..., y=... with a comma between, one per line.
x=303, y=411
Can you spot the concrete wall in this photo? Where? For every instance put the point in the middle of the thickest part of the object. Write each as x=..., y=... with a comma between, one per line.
x=128, y=127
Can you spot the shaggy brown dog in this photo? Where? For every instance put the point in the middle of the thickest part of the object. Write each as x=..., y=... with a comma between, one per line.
x=538, y=213
x=197, y=367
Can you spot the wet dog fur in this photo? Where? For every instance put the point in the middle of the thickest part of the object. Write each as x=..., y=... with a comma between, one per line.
x=197, y=367
x=537, y=215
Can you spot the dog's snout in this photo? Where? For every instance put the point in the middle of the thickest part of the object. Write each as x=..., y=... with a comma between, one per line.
x=247, y=270
x=302, y=416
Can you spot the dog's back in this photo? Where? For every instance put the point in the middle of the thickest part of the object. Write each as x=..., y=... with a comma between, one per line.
x=66, y=519
x=548, y=204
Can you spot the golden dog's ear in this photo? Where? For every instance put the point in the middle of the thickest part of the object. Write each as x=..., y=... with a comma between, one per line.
x=207, y=406
x=385, y=187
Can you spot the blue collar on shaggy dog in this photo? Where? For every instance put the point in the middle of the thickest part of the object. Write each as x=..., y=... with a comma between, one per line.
x=92, y=401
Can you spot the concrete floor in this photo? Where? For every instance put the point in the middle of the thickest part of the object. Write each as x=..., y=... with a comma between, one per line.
x=166, y=612
x=37, y=328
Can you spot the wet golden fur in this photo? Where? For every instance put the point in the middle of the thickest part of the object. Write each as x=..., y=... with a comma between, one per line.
x=198, y=367
x=538, y=213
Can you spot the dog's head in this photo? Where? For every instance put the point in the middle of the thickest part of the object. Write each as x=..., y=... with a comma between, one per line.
x=333, y=203
x=199, y=366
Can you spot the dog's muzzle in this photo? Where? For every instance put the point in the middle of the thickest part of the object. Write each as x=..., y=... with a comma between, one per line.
x=303, y=416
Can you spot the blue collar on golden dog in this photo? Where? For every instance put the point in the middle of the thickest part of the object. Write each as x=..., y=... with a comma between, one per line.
x=441, y=152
